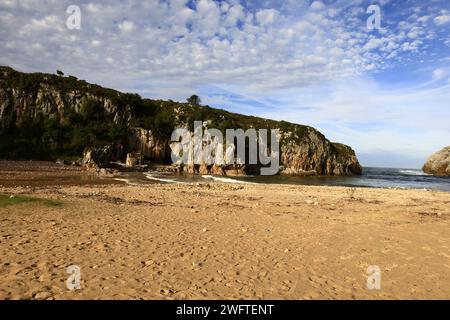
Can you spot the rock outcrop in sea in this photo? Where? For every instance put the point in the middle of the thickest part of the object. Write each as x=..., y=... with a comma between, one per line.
x=50, y=116
x=439, y=163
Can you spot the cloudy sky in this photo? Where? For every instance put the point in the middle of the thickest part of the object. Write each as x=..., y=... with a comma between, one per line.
x=385, y=92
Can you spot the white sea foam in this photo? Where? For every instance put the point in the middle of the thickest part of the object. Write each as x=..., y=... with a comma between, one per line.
x=152, y=177
x=226, y=180
x=414, y=172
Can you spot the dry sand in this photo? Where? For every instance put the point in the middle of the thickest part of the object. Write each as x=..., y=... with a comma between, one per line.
x=225, y=242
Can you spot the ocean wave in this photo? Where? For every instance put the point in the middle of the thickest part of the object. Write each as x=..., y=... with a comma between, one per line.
x=226, y=180
x=152, y=177
x=414, y=173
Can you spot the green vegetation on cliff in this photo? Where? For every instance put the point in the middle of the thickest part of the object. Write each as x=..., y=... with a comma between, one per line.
x=49, y=138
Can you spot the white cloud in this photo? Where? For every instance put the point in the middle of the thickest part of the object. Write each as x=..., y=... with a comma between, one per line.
x=234, y=14
x=443, y=19
x=439, y=74
x=96, y=43
x=93, y=7
x=267, y=16
x=126, y=26
x=209, y=42
x=317, y=5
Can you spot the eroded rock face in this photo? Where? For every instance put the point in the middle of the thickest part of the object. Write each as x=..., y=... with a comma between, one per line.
x=144, y=142
x=314, y=155
x=439, y=163
x=16, y=105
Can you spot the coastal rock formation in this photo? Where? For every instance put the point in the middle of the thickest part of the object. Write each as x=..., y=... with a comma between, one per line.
x=133, y=159
x=439, y=163
x=96, y=158
x=144, y=142
x=227, y=170
x=314, y=155
x=49, y=116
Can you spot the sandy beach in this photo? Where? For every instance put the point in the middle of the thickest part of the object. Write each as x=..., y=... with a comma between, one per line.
x=224, y=241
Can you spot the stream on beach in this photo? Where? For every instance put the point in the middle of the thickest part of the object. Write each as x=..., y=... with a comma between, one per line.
x=371, y=177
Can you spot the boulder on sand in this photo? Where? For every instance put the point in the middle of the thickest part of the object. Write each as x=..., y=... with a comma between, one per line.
x=439, y=163
x=96, y=158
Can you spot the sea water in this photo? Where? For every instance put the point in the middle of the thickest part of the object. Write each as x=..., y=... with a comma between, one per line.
x=371, y=177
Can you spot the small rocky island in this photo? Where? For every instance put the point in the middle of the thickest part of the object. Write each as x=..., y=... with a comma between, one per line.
x=439, y=163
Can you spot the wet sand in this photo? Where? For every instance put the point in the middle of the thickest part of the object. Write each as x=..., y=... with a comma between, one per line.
x=224, y=241
x=45, y=173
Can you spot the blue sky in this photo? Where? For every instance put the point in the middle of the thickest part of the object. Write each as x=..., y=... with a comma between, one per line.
x=384, y=92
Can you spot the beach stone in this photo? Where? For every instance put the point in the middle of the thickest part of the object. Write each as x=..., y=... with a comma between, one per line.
x=148, y=263
x=96, y=158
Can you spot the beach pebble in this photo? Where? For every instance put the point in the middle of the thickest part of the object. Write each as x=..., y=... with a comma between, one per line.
x=148, y=263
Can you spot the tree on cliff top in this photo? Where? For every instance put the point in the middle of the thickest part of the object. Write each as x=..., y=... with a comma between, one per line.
x=194, y=100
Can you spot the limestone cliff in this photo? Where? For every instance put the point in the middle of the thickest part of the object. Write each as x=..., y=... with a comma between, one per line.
x=439, y=163
x=49, y=116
